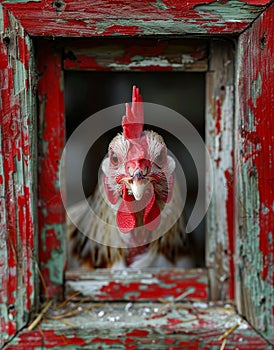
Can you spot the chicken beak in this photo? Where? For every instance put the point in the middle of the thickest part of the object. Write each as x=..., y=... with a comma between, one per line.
x=138, y=185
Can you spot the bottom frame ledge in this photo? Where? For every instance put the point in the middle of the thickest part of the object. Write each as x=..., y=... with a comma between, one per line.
x=120, y=325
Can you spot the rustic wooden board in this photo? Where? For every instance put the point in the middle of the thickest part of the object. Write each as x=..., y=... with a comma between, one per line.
x=219, y=140
x=107, y=17
x=18, y=248
x=138, y=285
x=52, y=237
x=136, y=55
x=142, y=326
x=254, y=174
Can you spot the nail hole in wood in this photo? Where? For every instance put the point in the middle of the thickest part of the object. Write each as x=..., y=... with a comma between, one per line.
x=263, y=41
x=6, y=40
x=59, y=5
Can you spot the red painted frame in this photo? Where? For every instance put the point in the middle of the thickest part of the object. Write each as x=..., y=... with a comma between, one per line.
x=40, y=18
x=107, y=18
x=52, y=138
x=51, y=211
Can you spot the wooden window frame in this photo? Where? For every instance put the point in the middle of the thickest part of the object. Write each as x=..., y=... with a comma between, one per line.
x=18, y=28
x=89, y=55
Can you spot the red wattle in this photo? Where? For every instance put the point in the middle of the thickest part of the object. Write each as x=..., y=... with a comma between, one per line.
x=125, y=217
x=152, y=214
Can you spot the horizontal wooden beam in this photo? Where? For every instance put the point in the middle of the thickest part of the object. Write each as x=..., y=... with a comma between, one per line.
x=149, y=284
x=73, y=18
x=136, y=55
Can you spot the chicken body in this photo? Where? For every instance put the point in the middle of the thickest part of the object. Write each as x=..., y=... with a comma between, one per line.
x=134, y=218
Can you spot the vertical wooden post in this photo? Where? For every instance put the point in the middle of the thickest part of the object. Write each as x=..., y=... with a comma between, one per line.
x=219, y=139
x=52, y=239
x=18, y=248
x=255, y=174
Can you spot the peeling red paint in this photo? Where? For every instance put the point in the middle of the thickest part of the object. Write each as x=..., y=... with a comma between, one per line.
x=17, y=148
x=262, y=136
x=184, y=335
x=122, y=29
x=106, y=341
x=136, y=54
x=132, y=18
x=230, y=226
x=174, y=321
x=23, y=51
x=84, y=62
x=169, y=284
x=17, y=194
x=138, y=333
x=256, y=174
x=218, y=116
x=51, y=210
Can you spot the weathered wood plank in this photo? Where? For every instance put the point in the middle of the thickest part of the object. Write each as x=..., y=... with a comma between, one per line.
x=142, y=326
x=131, y=284
x=136, y=55
x=52, y=235
x=107, y=17
x=18, y=246
x=219, y=140
x=254, y=174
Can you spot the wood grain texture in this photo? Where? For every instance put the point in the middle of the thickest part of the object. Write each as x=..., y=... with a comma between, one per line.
x=136, y=55
x=18, y=248
x=253, y=164
x=52, y=235
x=254, y=174
x=138, y=285
x=179, y=326
x=71, y=18
x=219, y=140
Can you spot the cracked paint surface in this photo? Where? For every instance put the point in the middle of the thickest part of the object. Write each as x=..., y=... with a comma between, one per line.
x=255, y=175
x=136, y=55
x=17, y=157
x=193, y=326
x=139, y=285
x=52, y=240
x=68, y=18
x=255, y=162
x=219, y=136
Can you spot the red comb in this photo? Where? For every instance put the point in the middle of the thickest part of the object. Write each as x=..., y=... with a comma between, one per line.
x=133, y=121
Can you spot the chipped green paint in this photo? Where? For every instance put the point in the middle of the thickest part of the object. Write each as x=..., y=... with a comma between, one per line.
x=160, y=5
x=129, y=54
x=3, y=251
x=17, y=178
x=141, y=17
x=143, y=326
x=53, y=237
x=19, y=77
x=238, y=10
x=256, y=89
x=254, y=174
x=146, y=27
x=248, y=244
x=1, y=20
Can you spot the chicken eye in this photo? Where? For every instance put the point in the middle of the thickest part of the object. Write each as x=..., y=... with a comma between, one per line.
x=114, y=159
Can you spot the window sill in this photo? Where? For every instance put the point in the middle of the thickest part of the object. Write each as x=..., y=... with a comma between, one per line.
x=126, y=325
